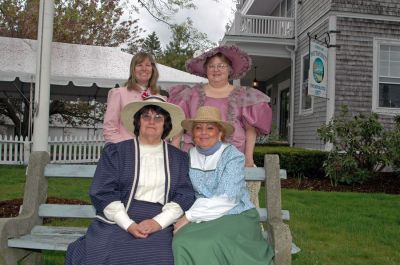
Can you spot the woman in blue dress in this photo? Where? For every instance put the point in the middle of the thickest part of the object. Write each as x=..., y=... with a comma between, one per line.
x=222, y=226
x=140, y=188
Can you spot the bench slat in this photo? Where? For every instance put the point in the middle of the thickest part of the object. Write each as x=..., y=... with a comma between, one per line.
x=263, y=214
x=48, y=237
x=258, y=173
x=87, y=171
x=70, y=171
x=66, y=210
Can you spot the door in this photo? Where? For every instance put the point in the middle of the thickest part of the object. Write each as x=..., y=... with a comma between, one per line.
x=284, y=114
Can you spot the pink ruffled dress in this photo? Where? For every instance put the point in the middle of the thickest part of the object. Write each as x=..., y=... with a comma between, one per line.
x=245, y=105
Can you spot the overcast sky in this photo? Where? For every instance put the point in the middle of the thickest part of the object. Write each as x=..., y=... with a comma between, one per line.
x=209, y=17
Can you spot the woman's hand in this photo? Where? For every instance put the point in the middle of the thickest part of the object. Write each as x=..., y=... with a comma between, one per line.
x=149, y=226
x=135, y=230
x=144, y=228
x=180, y=223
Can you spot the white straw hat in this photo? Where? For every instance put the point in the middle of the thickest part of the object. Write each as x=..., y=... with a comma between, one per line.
x=176, y=113
x=208, y=114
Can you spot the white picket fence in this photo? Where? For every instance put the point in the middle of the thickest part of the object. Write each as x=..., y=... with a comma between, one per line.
x=16, y=150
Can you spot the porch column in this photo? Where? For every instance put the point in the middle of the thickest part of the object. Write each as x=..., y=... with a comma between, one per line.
x=42, y=82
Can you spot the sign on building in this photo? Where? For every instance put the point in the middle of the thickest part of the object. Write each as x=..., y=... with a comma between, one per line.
x=318, y=72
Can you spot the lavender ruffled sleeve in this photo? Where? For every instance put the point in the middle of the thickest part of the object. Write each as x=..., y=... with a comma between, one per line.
x=180, y=95
x=256, y=111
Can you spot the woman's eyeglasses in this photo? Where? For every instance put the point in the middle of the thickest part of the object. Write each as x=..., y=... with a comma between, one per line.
x=156, y=118
x=220, y=66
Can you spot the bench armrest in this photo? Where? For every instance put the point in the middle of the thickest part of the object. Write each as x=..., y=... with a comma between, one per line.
x=35, y=193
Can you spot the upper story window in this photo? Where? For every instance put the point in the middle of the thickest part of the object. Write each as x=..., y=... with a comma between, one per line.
x=386, y=87
x=306, y=101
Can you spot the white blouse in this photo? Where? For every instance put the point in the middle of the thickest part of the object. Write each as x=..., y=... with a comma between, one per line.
x=151, y=186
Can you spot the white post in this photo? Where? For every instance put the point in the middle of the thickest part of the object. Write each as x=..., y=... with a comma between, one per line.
x=27, y=150
x=42, y=82
x=330, y=106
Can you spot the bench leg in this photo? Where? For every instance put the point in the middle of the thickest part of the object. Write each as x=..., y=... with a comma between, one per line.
x=11, y=256
x=34, y=258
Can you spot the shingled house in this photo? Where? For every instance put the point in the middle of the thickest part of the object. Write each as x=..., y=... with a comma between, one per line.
x=362, y=40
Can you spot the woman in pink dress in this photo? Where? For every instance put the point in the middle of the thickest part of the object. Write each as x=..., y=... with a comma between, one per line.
x=142, y=82
x=245, y=107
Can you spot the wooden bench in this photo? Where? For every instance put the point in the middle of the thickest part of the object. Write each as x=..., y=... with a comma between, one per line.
x=23, y=237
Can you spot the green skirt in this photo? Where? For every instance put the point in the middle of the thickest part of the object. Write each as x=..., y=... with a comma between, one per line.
x=229, y=240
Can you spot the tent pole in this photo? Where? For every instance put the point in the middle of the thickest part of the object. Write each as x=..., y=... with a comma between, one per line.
x=42, y=82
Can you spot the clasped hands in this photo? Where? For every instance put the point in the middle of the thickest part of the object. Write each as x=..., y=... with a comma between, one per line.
x=144, y=228
x=149, y=226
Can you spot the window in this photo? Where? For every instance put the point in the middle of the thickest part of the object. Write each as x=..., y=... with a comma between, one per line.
x=386, y=92
x=305, y=100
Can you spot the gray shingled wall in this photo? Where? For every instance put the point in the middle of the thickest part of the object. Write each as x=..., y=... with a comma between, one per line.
x=305, y=126
x=310, y=11
x=354, y=61
x=371, y=7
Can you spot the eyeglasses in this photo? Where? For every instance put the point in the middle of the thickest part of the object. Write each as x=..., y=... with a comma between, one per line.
x=156, y=118
x=220, y=66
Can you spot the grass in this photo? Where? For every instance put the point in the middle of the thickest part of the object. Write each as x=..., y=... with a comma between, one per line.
x=344, y=228
x=329, y=227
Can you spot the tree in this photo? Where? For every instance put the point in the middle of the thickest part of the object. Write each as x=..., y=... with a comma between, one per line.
x=152, y=45
x=90, y=22
x=185, y=41
x=94, y=22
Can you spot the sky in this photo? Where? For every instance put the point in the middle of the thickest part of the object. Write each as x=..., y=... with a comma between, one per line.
x=210, y=18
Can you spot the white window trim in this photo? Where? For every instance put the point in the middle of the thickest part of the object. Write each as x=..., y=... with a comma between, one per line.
x=375, y=79
x=304, y=112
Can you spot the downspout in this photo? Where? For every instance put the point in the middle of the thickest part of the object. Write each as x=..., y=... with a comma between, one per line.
x=293, y=76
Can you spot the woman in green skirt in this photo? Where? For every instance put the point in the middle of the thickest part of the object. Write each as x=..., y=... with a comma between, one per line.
x=222, y=226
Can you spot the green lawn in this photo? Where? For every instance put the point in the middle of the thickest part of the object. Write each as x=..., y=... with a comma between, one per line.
x=329, y=227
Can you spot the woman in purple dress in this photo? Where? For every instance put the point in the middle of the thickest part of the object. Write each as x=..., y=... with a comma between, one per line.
x=245, y=107
x=140, y=188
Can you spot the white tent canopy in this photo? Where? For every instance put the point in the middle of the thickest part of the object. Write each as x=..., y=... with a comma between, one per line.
x=93, y=70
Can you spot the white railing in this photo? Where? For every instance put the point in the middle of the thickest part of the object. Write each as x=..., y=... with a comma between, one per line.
x=16, y=150
x=263, y=26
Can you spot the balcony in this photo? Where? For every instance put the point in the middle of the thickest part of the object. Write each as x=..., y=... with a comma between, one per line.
x=262, y=26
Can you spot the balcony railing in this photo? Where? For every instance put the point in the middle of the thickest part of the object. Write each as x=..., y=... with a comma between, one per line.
x=262, y=26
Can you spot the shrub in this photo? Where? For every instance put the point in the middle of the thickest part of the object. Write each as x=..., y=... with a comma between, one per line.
x=298, y=162
x=359, y=147
x=393, y=145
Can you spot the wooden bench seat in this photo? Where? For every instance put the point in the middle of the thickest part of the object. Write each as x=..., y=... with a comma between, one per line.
x=27, y=235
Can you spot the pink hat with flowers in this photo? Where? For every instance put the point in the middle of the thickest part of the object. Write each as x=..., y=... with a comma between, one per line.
x=240, y=61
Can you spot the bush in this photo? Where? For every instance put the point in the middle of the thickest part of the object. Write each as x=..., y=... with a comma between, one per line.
x=393, y=145
x=360, y=147
x=298, y=162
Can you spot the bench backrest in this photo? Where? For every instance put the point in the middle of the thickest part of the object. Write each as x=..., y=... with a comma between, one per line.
x=87, y=171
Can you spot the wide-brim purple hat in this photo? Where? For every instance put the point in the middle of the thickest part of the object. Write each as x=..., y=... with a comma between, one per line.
x=241, y=62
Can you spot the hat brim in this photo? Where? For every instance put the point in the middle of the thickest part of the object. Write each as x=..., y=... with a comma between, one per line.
x=188, y=125
x=241, y=61
x=176, y=113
